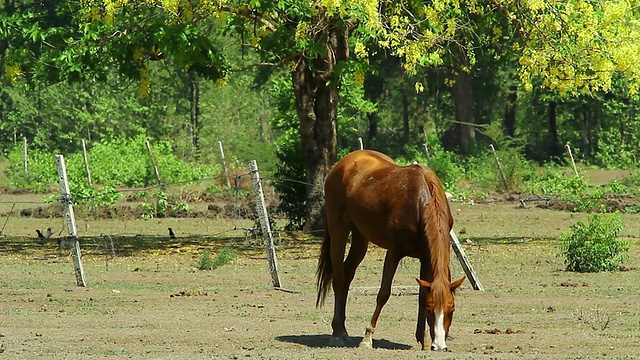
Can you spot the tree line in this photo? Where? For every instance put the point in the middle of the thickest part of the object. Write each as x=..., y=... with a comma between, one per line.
x=310, y=77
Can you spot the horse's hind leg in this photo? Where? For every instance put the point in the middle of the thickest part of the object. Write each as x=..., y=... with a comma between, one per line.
x=339, y=233
x=357, y=251
x=389, y=270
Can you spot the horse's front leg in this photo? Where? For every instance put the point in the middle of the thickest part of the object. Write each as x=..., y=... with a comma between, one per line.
x=425, y=273
x=422, y=317
x=389, y=270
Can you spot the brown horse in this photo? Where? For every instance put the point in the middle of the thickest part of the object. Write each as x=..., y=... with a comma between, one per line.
x=401, y=209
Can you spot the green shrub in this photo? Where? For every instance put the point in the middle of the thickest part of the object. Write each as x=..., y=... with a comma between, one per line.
x=85, y=194
x=121, y=162
x=225, y=256
x=515, y=170
x=156, y=209
x=445, y=164
x=554, y=182
x=41, y=166
x=594, y=246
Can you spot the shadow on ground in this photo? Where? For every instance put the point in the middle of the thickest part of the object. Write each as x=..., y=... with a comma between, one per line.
x=316, y=341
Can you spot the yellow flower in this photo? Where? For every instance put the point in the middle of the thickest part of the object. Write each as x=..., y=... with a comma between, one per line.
x=144, y=88
x=12, y=73
x=358, y=77
x=360, y=50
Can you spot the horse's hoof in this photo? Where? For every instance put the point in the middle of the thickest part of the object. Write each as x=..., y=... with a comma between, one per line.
x=365, y=345
x=418, y=346
x=339, y=341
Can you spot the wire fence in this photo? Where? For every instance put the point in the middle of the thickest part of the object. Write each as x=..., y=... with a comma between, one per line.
x=21, y=215
x=25, y=217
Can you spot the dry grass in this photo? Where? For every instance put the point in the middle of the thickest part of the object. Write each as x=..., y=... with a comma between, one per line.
x=151, y=301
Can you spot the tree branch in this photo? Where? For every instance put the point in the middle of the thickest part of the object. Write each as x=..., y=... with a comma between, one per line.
x=249, y=14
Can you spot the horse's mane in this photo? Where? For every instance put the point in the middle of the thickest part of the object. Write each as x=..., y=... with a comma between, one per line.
x=438, y=222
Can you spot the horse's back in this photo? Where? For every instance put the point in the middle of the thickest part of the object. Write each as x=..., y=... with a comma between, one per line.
x=366, y=189
x=354, y=175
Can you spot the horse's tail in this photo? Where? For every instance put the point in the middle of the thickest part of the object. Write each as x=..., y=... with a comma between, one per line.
x=325, y=268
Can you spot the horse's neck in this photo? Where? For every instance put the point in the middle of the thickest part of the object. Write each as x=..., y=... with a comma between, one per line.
x=440, y=270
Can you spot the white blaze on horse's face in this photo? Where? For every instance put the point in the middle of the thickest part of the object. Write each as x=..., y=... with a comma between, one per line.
x=439, y=333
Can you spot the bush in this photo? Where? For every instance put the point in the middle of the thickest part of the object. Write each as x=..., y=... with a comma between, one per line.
x=41, y=170
x=554, y=182
x=445, y=164
x=594, y=247
x=118, y=163
x=225, y=256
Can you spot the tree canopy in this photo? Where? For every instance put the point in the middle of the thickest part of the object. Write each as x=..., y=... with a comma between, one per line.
x=570, y=48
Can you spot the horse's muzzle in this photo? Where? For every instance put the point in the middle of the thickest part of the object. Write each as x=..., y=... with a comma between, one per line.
x=433, y=348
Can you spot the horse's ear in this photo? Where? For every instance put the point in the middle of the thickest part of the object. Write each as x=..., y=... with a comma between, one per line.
x=457, y=283
x=424, y=283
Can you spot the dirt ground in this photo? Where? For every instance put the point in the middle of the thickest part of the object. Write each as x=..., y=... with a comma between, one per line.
x=151, y=301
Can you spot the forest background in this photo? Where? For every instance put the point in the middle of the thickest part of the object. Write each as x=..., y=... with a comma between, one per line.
x=527, y=77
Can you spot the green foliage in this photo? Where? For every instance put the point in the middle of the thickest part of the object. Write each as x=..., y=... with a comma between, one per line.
x=225, y=256
x=126, y=162
x=205, y=262
x=122, y=162
x=632, y=183
x=484, y=172
x=102, y=196
x=514, y=168
x=290, y=174
x=41, y=170
x=158, y=207
x=594, y=246
x=555, y=182
x=446, y=164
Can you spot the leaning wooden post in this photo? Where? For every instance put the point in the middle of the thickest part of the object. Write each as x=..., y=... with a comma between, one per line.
x=86, y=162
x=264, y=223
x=464, y=261
x=504, y=178
x=360, y=143
x=154, y=163
x=24, y=156
x=575, y=170
x=426, y=151
x=70, y=219
x=225, y=171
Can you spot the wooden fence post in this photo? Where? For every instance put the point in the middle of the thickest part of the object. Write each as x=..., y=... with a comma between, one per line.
x=464, y=261
x=70, y=219
x=264, y=223
x=504, y=178
x=86, y=162
x=154, y=163
x=575, y=170
x=225, y=171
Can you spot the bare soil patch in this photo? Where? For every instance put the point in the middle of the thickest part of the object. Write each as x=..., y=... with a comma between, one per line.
x=152, y=302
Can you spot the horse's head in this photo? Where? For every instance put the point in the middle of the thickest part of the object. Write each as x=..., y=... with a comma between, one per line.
x=440, y=308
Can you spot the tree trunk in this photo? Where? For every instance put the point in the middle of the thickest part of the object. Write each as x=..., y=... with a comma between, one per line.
x=405, y=116
x=463, y=132
x=509, y=125
x=372, y=131
x=554, y=144
x=587, y=145
x=194, y=114
x=374, y=92
x=316, y=100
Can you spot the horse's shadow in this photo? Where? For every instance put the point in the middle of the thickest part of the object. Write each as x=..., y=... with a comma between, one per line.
x=317, y=341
